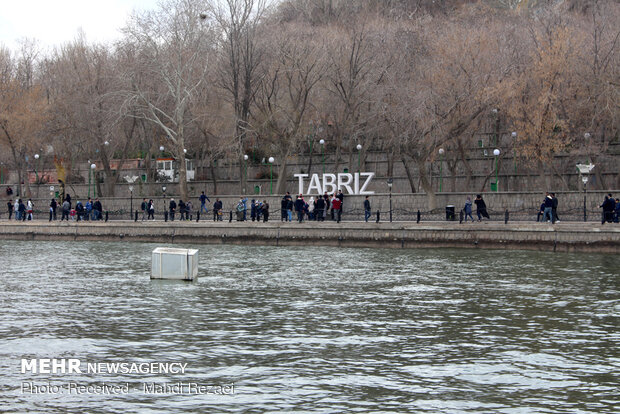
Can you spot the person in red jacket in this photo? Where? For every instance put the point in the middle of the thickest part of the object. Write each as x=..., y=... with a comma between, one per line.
x=337, y=208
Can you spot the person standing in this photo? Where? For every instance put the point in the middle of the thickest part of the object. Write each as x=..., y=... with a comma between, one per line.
x=53, y=207
x=89, y=210
x=481, y=208
x=182, y=210
x=30, y=209
x=283, y=204
x=367, y=209
x=172, y=207
x=10, y=207
x=289, y=206
x=188, y=210
x=253, y=210
x=203, y=202
x=617, y=211
x=554, y=208
x=217, y=210
x=548, y=210
x=468, y=209
x=240, y=209
x=311, y=205
x=16, y=209
x=98, y=209
x=340, y=197
x=66, y=206
x=143, y=208
x=265, y=211
x=336, y=208
x=609, y=205
x=21, y=209
x=300, y=206
x=320, y=208
x=151, y=210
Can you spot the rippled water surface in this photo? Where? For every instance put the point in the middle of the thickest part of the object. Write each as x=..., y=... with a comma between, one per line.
x=316, y=329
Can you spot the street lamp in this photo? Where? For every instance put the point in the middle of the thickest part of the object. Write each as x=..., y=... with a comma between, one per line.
x=322, y=142
x=91, y=171
x=441, y=151
x=496, y=153
x=514, y=149
x=163, y=190
x=271, y=161
x=130, y=201
x=390, y=181
x=584, y=170
x=359, y=155
x=36, y=157
x=245, y=165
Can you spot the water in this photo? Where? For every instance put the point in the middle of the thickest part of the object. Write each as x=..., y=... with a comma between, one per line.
x=316, y=329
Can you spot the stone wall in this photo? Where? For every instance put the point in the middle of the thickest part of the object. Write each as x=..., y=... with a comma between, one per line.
x=544, y=237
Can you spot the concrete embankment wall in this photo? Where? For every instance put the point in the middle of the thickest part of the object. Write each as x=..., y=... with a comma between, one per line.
x=542, y=237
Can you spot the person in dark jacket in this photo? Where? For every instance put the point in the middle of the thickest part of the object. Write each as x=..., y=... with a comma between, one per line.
x=541, y=212
x=53, y=207
x=265, y=211
x=609, y=205
x=217, y=210
x=150, y=208
x=283, y=206
x=300, y=207
x=21, y=209
x=66, y=207
x=144, y=208
x=98, y=209
x=253, y=210
x=319, y=209
x=79, y=210
x=468, y=209
x=366, y=209
x=548, y=209
x=181, y=210
x=617, y=212
x=172, y=208
x=10, y=207
x=554, y=208
x=481, y=208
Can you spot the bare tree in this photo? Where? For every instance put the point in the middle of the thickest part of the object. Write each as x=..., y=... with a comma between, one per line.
x=241, y=56
x=168, y=49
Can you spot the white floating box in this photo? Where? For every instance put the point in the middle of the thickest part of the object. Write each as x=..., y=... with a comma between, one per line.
x=172, y=263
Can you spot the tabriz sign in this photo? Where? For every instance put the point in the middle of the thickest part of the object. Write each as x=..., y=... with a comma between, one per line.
x=331, y=183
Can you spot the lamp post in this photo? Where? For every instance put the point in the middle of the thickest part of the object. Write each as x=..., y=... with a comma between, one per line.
x=441, y=151
x=322, y=142
x=130, y=201
x=514, y=149
x=36, y=157
x=359, y=157
x=245, y=159
x=496, y=153
x=89, y=174
x=271, y=161
x=163, y=190
x=92, y=168
x=390, y=181
x=584, y=170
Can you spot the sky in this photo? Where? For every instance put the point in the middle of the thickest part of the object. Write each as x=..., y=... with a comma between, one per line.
x=53, y=22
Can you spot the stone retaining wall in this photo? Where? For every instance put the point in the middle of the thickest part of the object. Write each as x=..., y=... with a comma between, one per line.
x=543, y=237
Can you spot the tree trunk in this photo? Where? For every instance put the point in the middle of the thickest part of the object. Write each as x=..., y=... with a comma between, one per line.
x=426, y=185
x=182, y=166
x=280, y=187
x=213, y=177
x=409, y=175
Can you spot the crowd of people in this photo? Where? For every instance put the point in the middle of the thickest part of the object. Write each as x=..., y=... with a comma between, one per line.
x=326, y=206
